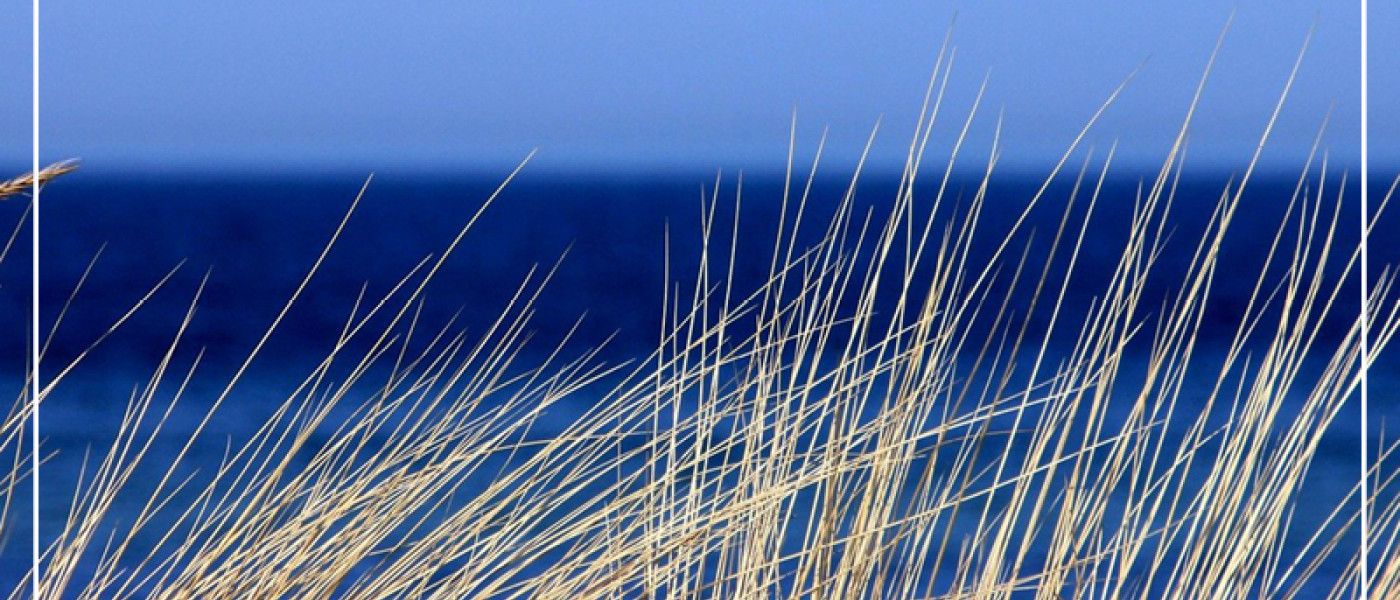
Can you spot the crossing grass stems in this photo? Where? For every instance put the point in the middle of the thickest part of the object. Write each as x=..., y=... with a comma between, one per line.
x=892, y=414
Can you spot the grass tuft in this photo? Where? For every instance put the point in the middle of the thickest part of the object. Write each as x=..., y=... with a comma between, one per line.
x=900, y=410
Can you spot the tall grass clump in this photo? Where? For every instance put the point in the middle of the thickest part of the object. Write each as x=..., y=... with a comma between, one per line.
x=913, y=406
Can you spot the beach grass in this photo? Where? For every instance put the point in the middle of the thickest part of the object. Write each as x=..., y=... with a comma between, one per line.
x=893, y=413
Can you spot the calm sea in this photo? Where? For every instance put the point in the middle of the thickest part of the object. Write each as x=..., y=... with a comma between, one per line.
x=256, y=237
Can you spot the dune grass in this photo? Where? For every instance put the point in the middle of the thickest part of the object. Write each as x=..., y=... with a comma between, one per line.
x=22, y=184
x=893, y=414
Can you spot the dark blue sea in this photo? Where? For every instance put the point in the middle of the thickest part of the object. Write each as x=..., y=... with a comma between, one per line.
x=255, y=236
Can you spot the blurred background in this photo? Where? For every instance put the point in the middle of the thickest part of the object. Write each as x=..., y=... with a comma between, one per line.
x=229, y=138
x=636, y=86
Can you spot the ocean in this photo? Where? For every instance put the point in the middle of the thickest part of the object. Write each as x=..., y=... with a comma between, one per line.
x=614, y=240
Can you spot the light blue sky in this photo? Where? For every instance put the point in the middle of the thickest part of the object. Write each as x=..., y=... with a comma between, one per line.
x=629, y=85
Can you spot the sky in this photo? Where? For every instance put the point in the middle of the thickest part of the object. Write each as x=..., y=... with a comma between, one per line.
x=624, y=85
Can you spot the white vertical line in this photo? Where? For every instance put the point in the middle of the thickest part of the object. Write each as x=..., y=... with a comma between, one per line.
x=1365, y=320
x=34, y=313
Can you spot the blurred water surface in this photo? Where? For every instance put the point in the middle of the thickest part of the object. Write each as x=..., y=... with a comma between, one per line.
x=256, y=237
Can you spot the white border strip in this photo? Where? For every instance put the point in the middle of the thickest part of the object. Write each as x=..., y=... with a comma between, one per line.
x=1363, y=580
x=34, y=315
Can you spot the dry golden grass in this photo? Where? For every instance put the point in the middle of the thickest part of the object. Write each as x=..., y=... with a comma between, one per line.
x=23, y=183
x=883, y=418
